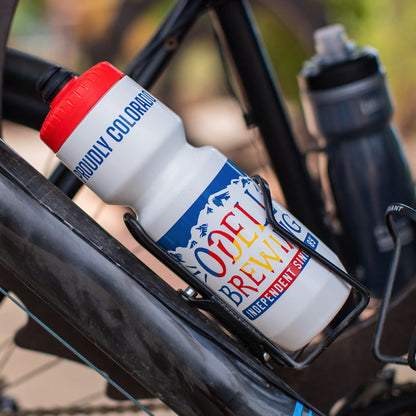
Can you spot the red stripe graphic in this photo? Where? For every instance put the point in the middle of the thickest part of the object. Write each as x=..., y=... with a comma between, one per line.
x=278, y=287
x=288, y=276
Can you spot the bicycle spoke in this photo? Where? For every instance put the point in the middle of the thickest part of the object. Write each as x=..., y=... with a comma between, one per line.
x=33, y=373
x=6, y=357
x=80, y=356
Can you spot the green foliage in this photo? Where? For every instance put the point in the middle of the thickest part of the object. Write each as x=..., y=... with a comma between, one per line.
x=285, y=52
x=348, y=12
x=388, y=26
x=29, y=16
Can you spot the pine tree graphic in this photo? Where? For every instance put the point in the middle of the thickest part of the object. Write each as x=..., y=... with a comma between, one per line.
x=217, y=200
x=203, y=229
x=178, y=257
x=245, y=181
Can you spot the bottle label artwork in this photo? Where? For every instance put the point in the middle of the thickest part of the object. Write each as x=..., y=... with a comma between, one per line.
x=226, y=241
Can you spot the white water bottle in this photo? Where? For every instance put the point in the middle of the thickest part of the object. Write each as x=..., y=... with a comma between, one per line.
x=131, y=150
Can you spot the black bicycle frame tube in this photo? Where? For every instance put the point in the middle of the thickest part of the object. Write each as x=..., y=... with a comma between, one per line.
x=237, y=27
x=122, y=307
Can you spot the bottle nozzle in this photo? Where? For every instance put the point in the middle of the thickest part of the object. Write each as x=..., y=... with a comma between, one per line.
x=52, y=81
x=332, y=43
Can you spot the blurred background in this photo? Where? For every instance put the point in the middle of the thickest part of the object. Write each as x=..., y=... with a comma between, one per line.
x=78, y=33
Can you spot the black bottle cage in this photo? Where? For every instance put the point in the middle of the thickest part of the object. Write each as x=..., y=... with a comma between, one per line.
x=403, y=211
x=256, y=342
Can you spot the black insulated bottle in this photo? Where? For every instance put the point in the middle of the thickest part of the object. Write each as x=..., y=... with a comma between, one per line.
x=348, y=110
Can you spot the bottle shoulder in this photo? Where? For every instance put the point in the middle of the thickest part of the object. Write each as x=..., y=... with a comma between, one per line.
x=176, y=187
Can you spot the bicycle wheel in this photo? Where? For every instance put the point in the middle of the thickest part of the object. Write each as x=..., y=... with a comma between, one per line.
x=37, y=374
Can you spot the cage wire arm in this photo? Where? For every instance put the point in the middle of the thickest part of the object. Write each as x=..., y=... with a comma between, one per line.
x=396, y=209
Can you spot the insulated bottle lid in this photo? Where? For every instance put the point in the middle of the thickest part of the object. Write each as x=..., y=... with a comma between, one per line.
x=331, y=42
x=75, y=100
x=337, y=62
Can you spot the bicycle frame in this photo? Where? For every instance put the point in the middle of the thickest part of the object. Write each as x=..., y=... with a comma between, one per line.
x=65, y=258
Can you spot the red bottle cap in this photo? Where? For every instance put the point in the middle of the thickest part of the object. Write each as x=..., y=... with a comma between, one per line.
x=74, y=102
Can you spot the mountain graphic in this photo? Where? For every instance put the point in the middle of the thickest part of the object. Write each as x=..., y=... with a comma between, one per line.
x=245, y=181
x=195, y=255
x=178, y=257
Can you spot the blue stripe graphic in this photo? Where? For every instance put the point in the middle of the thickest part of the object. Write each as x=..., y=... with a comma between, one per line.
x=180, y=233
x=262, y=304
x=298, y=409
